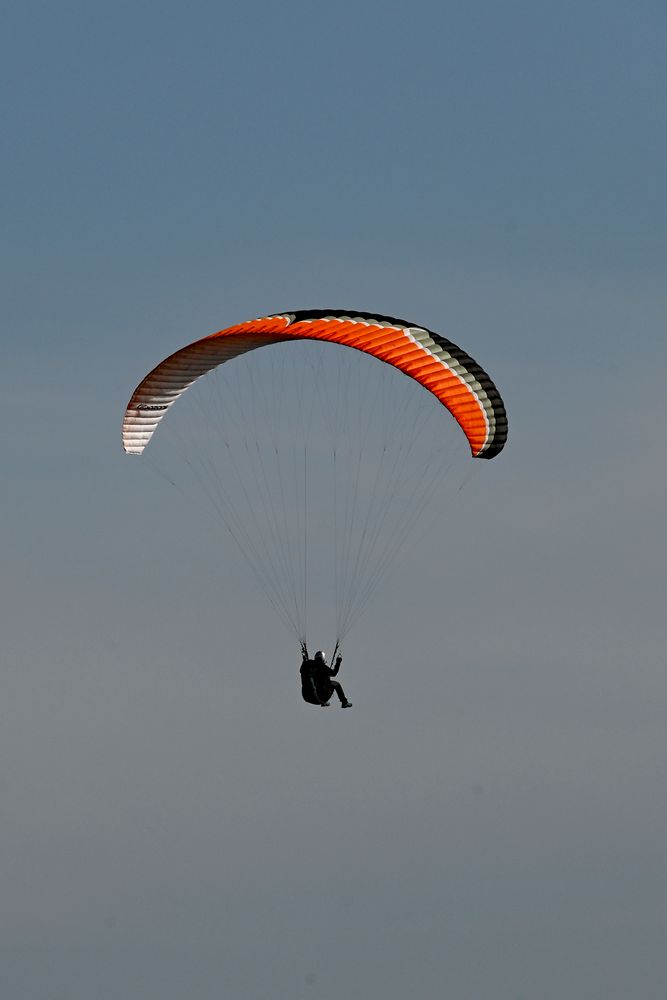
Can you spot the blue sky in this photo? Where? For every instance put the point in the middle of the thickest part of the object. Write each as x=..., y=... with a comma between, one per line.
x=489, y=819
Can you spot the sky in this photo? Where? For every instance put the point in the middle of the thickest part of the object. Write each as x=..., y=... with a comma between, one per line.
x=489, y=819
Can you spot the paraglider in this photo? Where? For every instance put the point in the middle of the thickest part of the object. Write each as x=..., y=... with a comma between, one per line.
x=317, y=680
x=355, y=463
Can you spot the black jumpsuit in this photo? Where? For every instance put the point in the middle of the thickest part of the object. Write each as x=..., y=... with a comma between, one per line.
x=317, y=685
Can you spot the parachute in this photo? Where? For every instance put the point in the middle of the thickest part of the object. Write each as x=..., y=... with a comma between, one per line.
x=308, y=444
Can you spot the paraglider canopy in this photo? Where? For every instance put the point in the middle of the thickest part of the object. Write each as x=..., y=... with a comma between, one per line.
x=325, y=443
x=436, y=363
